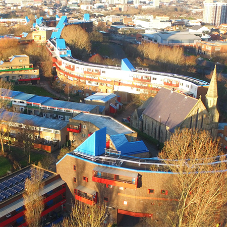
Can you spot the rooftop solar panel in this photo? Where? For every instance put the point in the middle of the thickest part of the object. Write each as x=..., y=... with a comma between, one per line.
x=6, y=183
x=18, y=178
x=13, y=181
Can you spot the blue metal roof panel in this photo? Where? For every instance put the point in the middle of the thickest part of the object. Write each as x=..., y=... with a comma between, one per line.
x=35, y=120
x=104, y=97
x=118, y=140
x=113, y=127
x=69, y=105
x=60, y=44
x=95, y=144
x=23, y=96
x=126, y=65
x=101, y=108
x=39, y=99
x=9, y=93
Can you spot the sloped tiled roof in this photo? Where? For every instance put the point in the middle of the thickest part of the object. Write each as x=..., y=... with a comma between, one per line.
x=169, y=107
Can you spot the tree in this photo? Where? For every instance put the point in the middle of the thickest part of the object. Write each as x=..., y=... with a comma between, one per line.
x=78, y=39
x=83, y=215
x=27, y=137
x=33, y=200
x=5, y=89
x=200, y=183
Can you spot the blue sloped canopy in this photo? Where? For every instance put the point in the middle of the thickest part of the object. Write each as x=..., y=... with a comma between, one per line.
x=95, y=144
x=126, y=65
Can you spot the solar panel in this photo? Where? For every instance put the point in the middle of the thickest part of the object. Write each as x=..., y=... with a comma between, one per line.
x=2, y=187
x=13, y=181
x=17, y=188
x=6, y=183
x=18, y=178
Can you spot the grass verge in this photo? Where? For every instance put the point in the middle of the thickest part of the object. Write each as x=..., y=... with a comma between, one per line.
x=5, y=166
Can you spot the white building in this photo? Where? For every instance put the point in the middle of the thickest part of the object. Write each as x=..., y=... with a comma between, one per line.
x=215, y=13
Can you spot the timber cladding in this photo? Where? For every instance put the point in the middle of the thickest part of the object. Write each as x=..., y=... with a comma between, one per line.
x=151, y=195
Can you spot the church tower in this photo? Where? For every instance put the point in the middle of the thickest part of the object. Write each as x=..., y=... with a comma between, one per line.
x=211, y=102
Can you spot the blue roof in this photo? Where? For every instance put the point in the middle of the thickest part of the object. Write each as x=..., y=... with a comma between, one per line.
x=113, y=127
x=62, y=22
x=121, y=144
x=95, y=144
x=60, y=44
x=39, y=99
x=102, y=97
x=35, y=120
x=86, y=16
x=56, y=35
x=101, y=108
x=118, y=140
x=23, y=96
x=9, y=93
x=126, y=65
x=69, y=105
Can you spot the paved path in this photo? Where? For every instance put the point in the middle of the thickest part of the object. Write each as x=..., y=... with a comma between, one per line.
x=129, y=109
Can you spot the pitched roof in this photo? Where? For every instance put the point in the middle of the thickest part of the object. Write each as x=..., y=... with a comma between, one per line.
x=169, y=107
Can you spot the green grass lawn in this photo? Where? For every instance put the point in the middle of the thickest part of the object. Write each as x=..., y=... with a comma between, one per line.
x=31, y=89
x=22, y=158
x=5, y=166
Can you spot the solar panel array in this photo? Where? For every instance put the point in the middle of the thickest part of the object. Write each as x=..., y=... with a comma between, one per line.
x=15, y=184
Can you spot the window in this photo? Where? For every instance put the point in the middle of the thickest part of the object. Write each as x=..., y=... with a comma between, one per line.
x=150, y=191
x=109, y=186
x=84, y=126
x=164, y=192
x=74, y=179
x=84, y=135
x=125, y=203
x=74, y=191
x=105, y=199
x=85, y=179
x=154, y=78
x=74, y=167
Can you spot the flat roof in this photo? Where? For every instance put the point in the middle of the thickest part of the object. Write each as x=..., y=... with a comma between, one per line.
x=35, y=120
x=101, y=97
x=69, y=105
x=113, y=127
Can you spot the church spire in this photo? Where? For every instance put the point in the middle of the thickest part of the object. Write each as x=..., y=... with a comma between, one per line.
x=212, y=92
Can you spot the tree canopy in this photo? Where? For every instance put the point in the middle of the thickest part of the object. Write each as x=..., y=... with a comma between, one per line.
x=200, y=181
x=78, y=40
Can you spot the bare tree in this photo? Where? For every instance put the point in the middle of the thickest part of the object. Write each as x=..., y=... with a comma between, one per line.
x=5, y=89
x=27, y=137
x=199, y=185
x=83, y=215
x=33, y=200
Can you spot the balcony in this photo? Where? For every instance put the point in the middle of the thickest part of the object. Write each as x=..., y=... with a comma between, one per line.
x=115, y=177
x=85, y=195
x=142, y=79
x=74, y=127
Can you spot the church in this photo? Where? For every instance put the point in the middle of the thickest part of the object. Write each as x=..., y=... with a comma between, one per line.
x=170, y=110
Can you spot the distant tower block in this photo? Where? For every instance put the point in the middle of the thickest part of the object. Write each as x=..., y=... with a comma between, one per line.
x=156, y=3
x=136, y=2
x=124, y=2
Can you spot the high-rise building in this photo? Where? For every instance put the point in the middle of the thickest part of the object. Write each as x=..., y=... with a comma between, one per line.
x=156, y=3
x=215, y=13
